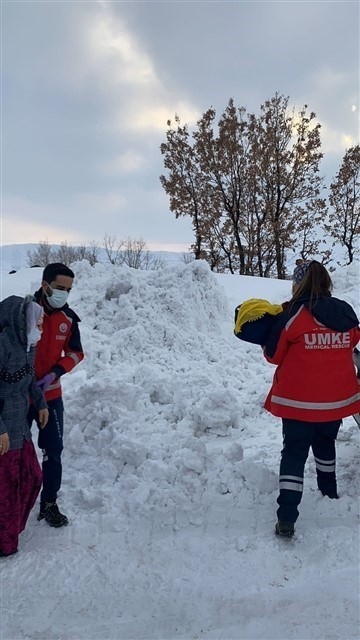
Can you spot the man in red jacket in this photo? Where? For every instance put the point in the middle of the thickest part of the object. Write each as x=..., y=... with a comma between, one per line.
x=57, y=353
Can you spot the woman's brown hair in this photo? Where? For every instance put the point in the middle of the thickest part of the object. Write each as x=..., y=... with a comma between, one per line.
x=316, y=282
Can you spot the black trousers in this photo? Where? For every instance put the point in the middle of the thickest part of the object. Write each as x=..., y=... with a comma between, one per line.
x=298, y=437
x=50, y=440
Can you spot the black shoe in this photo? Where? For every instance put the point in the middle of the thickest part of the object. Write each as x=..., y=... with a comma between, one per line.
x=49, y=511
x=284, y=529
x=5, y=555
x=329, y=491
x=330, y=494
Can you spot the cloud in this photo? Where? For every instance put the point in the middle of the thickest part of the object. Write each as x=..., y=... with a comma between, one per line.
x=128, y=162
x=115, y=53
x=14, y=230
x=89, y=87
x=154, y=117
x=81, y=218
x=169, y=246
x=332, y=93
x=140, y=102
x=335, y=141
x=104, y=204
x=327, y=79
x=88, y=216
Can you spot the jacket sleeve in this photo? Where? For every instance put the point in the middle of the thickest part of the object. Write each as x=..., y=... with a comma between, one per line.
x=73, y=352
x=277, y=343
x=281, y=349
x=356, y=338
x=3, y=428
x=356, y=355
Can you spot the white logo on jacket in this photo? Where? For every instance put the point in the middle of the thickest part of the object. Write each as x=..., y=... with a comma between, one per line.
x=63, y=327
x=327, y=340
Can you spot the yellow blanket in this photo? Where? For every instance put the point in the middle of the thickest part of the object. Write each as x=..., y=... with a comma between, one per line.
x=254, y=309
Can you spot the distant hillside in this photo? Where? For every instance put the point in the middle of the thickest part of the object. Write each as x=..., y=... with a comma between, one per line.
x=14, y=256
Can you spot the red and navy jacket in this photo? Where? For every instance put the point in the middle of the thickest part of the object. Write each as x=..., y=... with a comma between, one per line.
x=315, y=380
x=59, y=349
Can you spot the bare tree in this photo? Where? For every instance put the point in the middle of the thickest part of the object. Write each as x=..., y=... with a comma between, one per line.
x=309, y=242
x=137, y=255
x=132, y=252
x=42, y=255
x=186, y=184
x=206, y=182
x=114, y=249
x=222, y=153
x=66, y=253
x=81, y=252
x=188, y=257
x=344, y=215
x=90, y=252
x=247, y=182
x=285, y=156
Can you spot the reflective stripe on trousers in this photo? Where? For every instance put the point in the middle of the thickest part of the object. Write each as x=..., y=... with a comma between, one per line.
x=298, y=437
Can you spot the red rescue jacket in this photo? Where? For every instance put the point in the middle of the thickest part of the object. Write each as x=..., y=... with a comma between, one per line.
x=59, y=349
x=315, y=380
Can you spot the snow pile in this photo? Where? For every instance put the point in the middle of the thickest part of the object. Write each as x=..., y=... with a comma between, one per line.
x=154, y=381
x=346, y=284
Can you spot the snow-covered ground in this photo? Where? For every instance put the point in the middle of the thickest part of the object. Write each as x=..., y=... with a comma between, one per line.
x=170, y=479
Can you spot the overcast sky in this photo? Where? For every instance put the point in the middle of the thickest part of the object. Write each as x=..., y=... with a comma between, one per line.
x=87, y=88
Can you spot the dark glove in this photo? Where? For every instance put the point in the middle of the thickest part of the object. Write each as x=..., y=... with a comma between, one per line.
x=356, y=360
x=45, y=382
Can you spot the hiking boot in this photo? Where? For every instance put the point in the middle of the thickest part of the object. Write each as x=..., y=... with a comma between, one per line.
x=49, y=511
x=284, y=529
x=330, y=494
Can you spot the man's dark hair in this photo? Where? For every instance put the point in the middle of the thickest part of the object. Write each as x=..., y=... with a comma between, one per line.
x=56, y=269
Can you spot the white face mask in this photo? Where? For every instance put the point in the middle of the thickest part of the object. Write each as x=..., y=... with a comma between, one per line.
x=57, y=299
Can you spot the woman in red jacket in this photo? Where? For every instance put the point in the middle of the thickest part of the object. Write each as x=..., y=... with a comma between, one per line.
x=314, y=386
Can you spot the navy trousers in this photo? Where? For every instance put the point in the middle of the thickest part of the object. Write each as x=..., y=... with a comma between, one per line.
x=298, y=437
x=50, y=440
